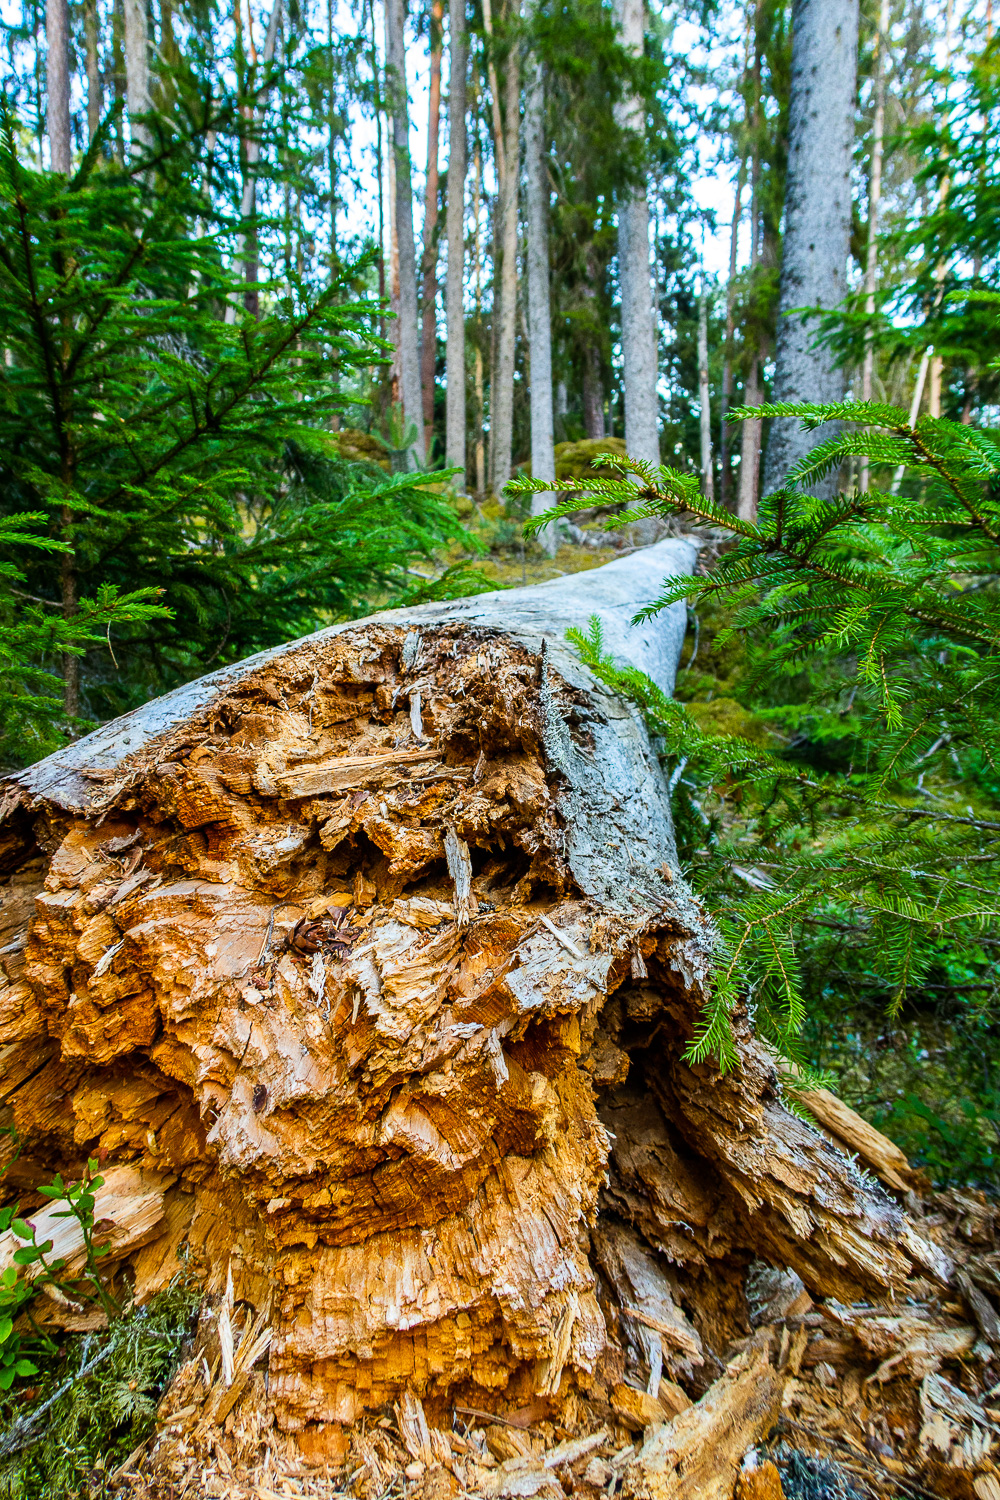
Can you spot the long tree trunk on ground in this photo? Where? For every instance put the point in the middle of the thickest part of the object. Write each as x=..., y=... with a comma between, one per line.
x=455, y=287
x=137, y=72
x=817, y=219
x=704, y=397
x=536, y=193
x=638, y=327
x=428, y=336
x=874, y=199
x=405, y=336
x=725, y=472
x=57, y=80
x=95, y=101
x=401, y=1046
x=505, y=145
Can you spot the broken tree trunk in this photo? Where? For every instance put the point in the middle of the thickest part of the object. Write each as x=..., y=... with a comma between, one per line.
x=370, y=960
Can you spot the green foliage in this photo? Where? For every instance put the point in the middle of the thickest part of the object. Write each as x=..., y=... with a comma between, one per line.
x=890, y=604
x=100, y=1419
x=32, y=633
x=168, y=450
x=92, y=1399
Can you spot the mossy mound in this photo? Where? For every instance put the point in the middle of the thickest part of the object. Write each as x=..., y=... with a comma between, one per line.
x=362, y=447
x=726, y=716
x=576, y=460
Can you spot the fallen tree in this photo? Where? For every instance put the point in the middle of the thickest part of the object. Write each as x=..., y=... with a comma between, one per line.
x=367, y=969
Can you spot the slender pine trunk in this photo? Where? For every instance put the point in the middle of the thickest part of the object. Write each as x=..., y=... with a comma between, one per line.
x=505, y=306
x=750, y=437
x=874, y=199
x=480, y=410
x=536, y=183
x=428, y=334
x=638, y=327
x=593, y=393
x=95, y=100
x=137, y=72
x=406, y=336
x=817, y=219
x=704, y=397
x=57, y=77
x=455, y=286
x=726, y=395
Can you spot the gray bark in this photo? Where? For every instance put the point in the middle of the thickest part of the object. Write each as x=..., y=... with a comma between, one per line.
x=249, y=199
x=137, y=71
x=406, y=335
x=95, y=102
x=428, y=336
x=536, y=182
x=541, y=612
x=454, y=289
x=642, y=428
x=57, y=81
x=704, y=397
x=874, y=199
x=505, y=305
x=817, y=219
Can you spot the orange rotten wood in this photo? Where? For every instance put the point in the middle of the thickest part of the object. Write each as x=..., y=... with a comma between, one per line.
x=370, y=959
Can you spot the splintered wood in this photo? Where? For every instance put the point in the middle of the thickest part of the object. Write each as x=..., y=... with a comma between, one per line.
x=369, y=981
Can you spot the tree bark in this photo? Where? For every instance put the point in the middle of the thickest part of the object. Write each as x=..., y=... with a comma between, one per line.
x=505, y=146
x=137, y=72
x=725, y=473
x=593, y=394
x=817, y=220
x=428, y=338
x=536, y=192
x=455, y=435
x=245, y=264
x=95, y=100
x=371, y=958
x=874, y=199
x=639, y=359
x=406, y=337
x=704, y=397
x=57, y=82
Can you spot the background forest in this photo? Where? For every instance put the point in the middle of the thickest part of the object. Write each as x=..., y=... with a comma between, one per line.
x=266, y=364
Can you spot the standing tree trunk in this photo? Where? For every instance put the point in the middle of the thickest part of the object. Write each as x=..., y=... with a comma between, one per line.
x=593, y=394
x=95, y=101
x=455, y=286
x=505, y=143
x=704, y=397
x=406, y=337
x=137, y=72
x=428, y=337
x=746, y=502
x=57, y=77
x=874, y=198
x=638, y=323
x=536, y=192
x=245, y=264
x=368, y=966
x=725, y=400
x=817, y=219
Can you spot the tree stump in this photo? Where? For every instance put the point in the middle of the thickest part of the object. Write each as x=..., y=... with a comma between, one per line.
x=368, y=968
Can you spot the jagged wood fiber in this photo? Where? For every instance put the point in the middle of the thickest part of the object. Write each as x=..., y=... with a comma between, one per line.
x=369, y=964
